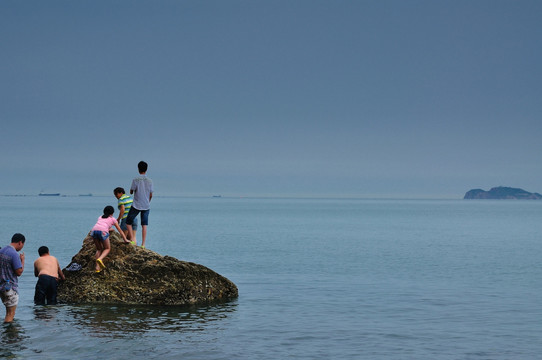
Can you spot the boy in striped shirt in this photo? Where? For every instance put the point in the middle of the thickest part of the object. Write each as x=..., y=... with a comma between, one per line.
x=125, y=203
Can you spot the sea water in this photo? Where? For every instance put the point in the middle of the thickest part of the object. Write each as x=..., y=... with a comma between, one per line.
x=317, y=279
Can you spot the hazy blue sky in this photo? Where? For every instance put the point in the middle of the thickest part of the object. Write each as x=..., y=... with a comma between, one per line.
x=311, y=98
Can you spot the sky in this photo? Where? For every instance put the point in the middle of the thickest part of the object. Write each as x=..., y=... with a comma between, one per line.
x=309, y=98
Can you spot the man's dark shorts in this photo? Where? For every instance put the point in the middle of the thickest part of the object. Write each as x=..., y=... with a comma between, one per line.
x=45, y=290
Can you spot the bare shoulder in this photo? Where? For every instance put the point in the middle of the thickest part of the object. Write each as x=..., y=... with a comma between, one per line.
x=46, y=260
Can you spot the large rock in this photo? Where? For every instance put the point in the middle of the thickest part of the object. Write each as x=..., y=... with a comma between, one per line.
x=138, y=276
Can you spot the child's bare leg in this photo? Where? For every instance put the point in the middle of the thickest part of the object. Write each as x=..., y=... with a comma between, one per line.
x=106, y=249
x=143, y=234
x=131, y=232
x=99, y=249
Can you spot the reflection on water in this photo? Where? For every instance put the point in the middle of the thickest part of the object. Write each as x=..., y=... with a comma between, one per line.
x=124, y=320
x=13, y=340
x=75, y=331
x=47, y=313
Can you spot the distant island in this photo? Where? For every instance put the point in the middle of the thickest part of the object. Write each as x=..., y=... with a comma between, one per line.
x=502, y=193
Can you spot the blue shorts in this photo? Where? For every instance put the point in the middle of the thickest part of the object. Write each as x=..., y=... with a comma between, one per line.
x=134, y=212
x=124, y=227
x=99, y=235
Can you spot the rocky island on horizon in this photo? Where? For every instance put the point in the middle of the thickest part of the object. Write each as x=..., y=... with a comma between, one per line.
x=502, y=193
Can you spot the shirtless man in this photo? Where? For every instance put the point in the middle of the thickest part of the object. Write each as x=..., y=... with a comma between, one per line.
x=48, y=271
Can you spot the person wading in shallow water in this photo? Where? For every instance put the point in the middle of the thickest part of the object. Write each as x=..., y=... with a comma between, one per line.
x=11, y=267
x=47, y=270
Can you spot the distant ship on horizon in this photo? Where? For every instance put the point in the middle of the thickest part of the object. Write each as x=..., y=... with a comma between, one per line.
x=48, y=194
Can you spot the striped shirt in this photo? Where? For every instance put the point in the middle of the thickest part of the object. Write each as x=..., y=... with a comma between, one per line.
x=127, y=201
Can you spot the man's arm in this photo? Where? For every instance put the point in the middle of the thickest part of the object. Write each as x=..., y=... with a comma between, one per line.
x=19, y=271
x=60, y=273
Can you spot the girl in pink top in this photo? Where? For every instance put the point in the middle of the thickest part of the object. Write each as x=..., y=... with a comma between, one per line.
x=100, y=234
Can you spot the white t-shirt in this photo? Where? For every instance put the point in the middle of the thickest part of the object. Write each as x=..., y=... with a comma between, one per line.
x=142, y=187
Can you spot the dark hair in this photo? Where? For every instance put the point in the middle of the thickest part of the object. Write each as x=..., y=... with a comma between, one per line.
x=18, y=238
x=108, y=211
x=142, y=166
x=119, y=190
x=43, y=250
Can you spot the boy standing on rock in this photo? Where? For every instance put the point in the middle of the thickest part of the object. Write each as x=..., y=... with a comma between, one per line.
x=142, y=190
x=125, y=203
x=47, y=270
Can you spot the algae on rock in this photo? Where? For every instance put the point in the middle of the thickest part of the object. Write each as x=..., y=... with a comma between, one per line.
x=140, y=276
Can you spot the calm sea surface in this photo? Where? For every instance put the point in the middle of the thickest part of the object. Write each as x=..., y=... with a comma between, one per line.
x=318, y=279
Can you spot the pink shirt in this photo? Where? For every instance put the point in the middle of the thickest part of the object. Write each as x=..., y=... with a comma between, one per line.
x=105, y=224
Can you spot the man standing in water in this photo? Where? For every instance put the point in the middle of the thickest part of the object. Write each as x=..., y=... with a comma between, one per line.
x=11, y=267
x=142, y=190
x=48, y=271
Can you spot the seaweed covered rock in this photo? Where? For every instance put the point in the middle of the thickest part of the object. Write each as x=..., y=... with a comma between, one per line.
x=139, y=276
